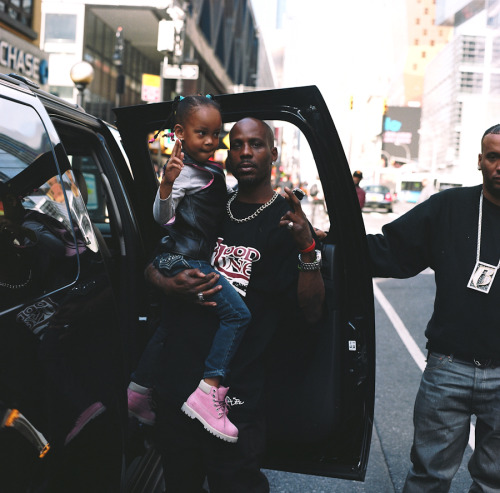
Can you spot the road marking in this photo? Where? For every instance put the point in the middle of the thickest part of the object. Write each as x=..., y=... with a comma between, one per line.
x=408, y=341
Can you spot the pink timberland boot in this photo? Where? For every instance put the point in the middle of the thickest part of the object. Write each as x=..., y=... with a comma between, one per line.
x=208, y=405
x=140, y=403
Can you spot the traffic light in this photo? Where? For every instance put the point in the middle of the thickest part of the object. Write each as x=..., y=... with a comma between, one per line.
x=385, y=107
x=119, y=47
x=351, y=102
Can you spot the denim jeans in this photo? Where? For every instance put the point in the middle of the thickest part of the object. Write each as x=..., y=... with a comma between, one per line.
x=233, y=314
x=450, y=392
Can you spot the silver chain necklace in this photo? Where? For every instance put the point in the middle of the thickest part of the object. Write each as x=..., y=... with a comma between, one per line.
x=252, y=216
x=483, y=273
x=17, y=286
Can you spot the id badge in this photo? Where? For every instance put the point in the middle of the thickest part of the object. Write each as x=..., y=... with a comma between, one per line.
x=482, y=277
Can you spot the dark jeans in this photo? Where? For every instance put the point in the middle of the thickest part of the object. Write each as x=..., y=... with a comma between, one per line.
x=450, y=392
x=233, y=314
x=189, y=454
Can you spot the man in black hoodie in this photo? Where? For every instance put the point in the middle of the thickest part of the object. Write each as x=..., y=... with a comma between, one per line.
x=457, y=234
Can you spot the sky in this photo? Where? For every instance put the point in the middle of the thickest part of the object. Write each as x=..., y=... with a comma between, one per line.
x=347, y=49
x=343, y=47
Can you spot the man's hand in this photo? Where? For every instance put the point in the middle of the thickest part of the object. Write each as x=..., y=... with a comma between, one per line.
x=172, y=170
x=186, y=284
x=296, y=222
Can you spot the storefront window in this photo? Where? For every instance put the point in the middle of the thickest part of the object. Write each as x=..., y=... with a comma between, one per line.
x=18, y=10
x=60, y=28
x=19, y=15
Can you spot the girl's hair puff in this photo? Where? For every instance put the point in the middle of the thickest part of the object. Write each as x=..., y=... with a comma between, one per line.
x=183, y=106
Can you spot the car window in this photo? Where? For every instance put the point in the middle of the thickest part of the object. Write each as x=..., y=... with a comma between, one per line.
x=376, y=189
x=89, y=159
x=41, y=210
x=292, y=169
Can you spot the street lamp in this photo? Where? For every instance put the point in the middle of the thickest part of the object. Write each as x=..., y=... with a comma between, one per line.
x=82, y=74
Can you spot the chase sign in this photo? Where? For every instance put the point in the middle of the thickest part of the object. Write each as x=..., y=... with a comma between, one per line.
x=23, y=62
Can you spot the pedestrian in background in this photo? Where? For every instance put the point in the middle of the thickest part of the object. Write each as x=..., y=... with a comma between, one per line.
x=456, y=233
x=357, y=176
x=427, y=190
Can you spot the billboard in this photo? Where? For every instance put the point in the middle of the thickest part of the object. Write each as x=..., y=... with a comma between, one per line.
x=400, y=126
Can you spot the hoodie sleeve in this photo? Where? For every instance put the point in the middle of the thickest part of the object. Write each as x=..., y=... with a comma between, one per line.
x=404, y=247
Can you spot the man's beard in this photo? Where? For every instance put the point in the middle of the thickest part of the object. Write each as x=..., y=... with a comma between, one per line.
x=249, y=182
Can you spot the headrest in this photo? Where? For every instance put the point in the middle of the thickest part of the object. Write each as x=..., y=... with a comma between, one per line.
x=82, y=184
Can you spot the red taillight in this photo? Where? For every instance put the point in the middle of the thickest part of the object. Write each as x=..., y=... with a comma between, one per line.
x=388, y=197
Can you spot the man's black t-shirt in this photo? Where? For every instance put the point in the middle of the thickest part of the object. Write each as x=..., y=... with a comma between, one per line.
x=260, y=259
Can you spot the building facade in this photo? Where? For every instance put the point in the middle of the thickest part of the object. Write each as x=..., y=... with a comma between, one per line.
x=19, y=40
x=462, y=92
x=120, y=40
x=425, y=41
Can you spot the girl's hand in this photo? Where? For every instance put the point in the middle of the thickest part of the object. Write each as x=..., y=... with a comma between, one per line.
x=172, y=170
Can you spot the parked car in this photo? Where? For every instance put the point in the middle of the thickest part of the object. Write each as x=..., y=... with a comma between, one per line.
x=76, y=231
x=378, y=197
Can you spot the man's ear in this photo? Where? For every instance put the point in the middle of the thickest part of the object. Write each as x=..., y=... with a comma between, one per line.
x=228, y=163
x=479, y=157
x=179, y=131
x=274, y=154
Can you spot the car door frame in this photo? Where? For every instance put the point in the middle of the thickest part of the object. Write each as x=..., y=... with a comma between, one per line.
x=305, y=108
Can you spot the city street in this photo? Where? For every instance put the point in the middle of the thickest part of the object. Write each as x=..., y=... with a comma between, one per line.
x=402, y=309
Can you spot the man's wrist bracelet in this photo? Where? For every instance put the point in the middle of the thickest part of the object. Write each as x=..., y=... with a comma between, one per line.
x=310, y=248
x=310, y=266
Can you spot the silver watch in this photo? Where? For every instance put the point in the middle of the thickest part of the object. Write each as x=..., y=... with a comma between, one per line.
x=316, y=265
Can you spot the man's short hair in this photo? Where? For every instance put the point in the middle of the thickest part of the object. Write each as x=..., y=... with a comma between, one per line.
x=495, y=129
x=358, y=174
x=268, y=129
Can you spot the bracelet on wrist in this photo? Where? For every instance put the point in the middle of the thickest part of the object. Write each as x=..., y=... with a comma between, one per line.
x=310, y=248
x=310, y=266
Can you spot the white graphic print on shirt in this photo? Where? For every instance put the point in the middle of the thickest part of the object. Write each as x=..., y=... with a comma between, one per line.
x=235, y=264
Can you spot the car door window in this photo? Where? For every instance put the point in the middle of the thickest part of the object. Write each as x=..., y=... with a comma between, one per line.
x=43, y=219
x=89, y=162
x=291, y=170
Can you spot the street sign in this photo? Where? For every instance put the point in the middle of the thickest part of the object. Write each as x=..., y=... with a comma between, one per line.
x=171, y=71
x=166, y=36
x=188, y=72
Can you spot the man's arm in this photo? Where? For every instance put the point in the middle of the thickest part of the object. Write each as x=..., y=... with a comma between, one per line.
x=311, y=292
x=404, y=247
x=310, y=286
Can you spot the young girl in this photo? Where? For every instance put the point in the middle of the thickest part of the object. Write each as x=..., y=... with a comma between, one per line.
x=190, y=204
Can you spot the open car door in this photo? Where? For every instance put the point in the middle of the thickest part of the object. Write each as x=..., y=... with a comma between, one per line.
x=327, y=431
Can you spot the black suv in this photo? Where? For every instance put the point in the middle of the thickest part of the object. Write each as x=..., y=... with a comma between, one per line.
x=76, y=231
